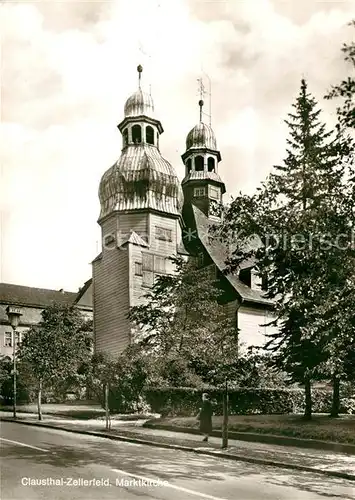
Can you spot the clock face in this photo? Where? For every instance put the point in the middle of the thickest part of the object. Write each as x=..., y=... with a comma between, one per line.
x=215, y=208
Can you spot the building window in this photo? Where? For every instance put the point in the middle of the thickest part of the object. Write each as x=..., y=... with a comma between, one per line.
x=199, y=164
x=163, y=234
x=147, y=262
x=159, y=264
x=152, y=266
x=199, y=192
x=245, y=276
x=200, y=259
x=188, y=165
x=125, y=136
x=214, y=192
x=211, y=164
x=138, y=269
x=8, y=339
x=264, y=282
x=109, y=240
x=149, y=135
x=136, y=134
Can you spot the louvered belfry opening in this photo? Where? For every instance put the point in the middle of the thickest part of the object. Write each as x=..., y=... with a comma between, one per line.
x=149, y=135
x=137, y=134
x=211, y=164
x=199, y=163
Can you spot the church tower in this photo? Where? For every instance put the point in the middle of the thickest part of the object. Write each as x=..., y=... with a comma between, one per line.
x=140, y=219
x=202, y=185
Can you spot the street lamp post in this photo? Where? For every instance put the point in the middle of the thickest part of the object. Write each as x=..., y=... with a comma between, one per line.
x=225, y=415
x=13, y=314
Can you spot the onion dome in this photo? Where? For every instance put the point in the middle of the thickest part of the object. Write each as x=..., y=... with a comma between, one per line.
x=201, y=136
x=138, y=104
x=140, y=179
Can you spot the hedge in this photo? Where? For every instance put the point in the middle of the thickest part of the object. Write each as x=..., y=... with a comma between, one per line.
x=185, y=401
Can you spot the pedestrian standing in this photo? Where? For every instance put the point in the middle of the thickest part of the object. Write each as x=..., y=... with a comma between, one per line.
x=205, y=416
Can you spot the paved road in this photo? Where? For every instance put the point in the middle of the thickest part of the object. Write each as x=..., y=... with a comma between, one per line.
x=121, y=471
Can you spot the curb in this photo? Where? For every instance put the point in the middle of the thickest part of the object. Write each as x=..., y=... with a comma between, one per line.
x=215, y=454
x=255, y=437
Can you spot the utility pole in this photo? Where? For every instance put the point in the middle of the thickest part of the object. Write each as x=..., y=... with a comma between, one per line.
x=14, y=314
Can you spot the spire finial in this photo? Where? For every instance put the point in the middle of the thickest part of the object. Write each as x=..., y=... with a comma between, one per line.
x=201, y=103
x=139, y=69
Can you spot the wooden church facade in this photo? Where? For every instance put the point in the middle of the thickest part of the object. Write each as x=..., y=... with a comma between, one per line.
x=147, y=216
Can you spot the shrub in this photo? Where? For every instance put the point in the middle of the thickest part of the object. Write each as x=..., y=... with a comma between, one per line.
x=347, y=405
x=321, y=400
x=185, y=401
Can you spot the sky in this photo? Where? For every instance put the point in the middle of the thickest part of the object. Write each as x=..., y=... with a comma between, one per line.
x=68, y=67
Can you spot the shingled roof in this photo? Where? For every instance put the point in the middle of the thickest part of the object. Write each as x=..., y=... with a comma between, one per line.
x=218, y=253
x=35, y=297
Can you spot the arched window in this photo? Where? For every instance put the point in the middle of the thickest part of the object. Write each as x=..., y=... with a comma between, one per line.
x=199, y=163
x=211, y=164
x=136, y=134
x=149, y=135
x=188, y=165
x=125, y=136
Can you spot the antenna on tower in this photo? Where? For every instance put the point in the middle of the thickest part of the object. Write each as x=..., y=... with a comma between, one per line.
x=203, y=92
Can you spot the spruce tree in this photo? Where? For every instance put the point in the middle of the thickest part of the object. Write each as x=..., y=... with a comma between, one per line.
x=297, y=214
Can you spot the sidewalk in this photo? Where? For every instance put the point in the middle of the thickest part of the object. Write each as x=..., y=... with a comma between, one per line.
x=329, y=463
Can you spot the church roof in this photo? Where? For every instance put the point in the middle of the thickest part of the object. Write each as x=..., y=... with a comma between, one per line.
x=202, y=175
x=140, y=179
x=181, y=250
x=34, y=297
x=139, y=104
x=218, y=253
x=201, y=136
x=135, y=239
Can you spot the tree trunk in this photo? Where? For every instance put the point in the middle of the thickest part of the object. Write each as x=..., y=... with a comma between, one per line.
x=308, y=398
x=336, y=397
x=39, y=400
x=107, y=409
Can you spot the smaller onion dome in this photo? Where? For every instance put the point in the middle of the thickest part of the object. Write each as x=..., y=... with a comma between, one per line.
x=138, y=104
x=201, y=136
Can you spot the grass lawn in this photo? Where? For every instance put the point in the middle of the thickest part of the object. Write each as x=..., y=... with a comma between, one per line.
x=80, y=411
x=75, y=410
x=321, y=427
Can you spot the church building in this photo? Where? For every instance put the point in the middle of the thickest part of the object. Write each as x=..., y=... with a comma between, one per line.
x=147, y=216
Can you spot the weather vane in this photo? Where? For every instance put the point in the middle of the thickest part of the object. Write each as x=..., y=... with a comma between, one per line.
x=202, y=92
x=145, y=56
